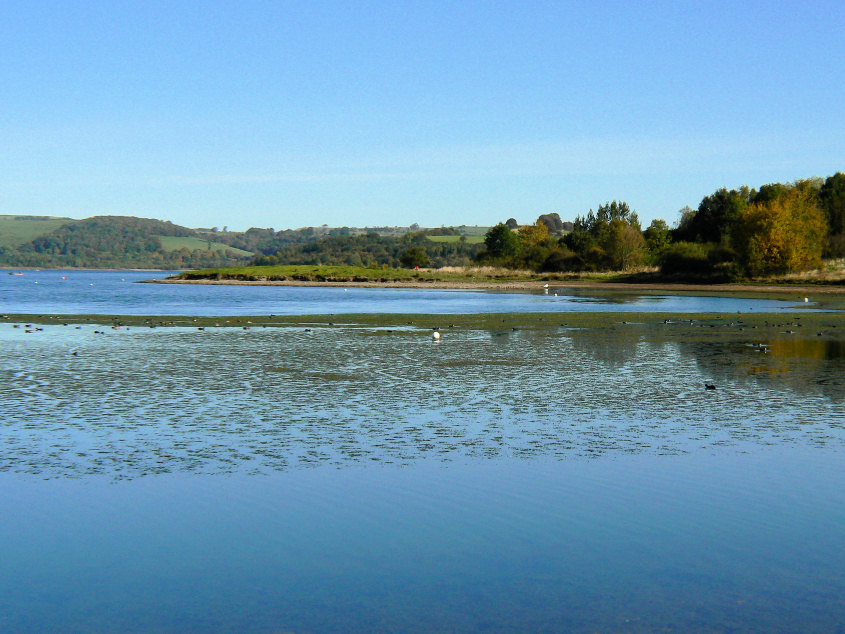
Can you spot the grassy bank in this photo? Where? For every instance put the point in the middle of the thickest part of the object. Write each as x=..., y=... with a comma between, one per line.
x=486, y=275
x=308, y=273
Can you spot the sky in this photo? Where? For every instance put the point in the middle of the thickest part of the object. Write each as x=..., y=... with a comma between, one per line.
x=289, y=114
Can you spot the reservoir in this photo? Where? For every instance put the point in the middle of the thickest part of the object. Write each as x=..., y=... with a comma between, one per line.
x=363, y=477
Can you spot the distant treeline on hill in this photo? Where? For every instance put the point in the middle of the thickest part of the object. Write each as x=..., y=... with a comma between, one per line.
x=113, y=242
x=372, y=249
x=129, y=242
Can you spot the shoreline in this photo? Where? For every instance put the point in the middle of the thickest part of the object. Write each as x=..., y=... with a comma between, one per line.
x=35, y=269
x=512, y=285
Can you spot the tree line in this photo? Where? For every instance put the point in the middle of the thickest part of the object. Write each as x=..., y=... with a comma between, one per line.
x=374, y=250
x=115, y=242
x=744, y=232
x=778, y=228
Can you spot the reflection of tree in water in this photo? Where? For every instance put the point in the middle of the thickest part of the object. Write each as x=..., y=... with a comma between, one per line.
x=807, y=366
x=613, y=347
x=610, y=298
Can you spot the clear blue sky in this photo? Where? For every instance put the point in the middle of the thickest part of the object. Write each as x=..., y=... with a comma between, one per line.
x=287, y=114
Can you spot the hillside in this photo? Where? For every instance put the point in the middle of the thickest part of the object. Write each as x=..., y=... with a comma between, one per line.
x=109, y=242
x=18, y=230
x=192, y=243
x=130, y=242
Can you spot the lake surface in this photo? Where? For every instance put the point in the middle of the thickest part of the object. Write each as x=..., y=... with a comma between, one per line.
x=113, y=292
x=366, y=478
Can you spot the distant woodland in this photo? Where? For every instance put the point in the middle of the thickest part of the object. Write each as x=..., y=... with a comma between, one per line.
x=732, y=234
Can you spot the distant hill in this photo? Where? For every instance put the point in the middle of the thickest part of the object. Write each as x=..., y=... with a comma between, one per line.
x=109, y=242
x=17, y=230
x=131, y=242
x=193, y=243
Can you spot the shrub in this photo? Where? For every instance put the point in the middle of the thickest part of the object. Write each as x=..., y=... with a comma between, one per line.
x=686, y=258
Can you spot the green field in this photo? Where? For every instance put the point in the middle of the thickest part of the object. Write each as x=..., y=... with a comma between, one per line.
x=17, y=230
x=472, y=230
x=174, y=243
x=470, y=239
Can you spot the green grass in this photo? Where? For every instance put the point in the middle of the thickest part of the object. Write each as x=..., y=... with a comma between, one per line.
x=308, y=273
x=826, y=296
x=473, y=230
x=18, y=230
x=469, y=239
x=174, y=243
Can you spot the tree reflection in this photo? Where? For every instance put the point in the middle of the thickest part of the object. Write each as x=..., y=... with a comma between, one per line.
x=806, y=366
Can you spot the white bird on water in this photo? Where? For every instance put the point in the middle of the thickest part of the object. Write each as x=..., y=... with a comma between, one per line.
x=436, y=336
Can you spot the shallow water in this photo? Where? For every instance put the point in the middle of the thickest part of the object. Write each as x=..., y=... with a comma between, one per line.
x=360, y=478
x=638, y=543
x=114, y=293
x=143, y=401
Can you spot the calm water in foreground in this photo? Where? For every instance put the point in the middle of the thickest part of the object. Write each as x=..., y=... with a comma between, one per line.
x=362, y=478
x=113, y=293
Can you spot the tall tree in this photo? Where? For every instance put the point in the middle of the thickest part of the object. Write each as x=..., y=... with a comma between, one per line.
x=716, y=216
x=501, y=242
x=832, y=199
x=625, y=244
x=657, y=237
x=533, y=235
x=782, y=235
x=553, y=222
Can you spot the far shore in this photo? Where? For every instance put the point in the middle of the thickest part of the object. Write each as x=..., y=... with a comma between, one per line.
x=31, y=269
x=516, y=285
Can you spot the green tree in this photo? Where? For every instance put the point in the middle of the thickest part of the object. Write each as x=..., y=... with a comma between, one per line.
x=553, y=222
x=625, y=244
x=413, y=257
x=609, y=237
x=768, y=193
x=535, y=245
x=832, y=201
x=716, y=216
x=501, y=242
x=658, y=237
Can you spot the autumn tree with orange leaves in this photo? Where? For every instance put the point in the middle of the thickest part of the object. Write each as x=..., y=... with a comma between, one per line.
x=784, y=234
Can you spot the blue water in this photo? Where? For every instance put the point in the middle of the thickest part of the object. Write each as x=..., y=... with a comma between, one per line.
x=640, y=544
x=352, y=478
x=113, y=292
